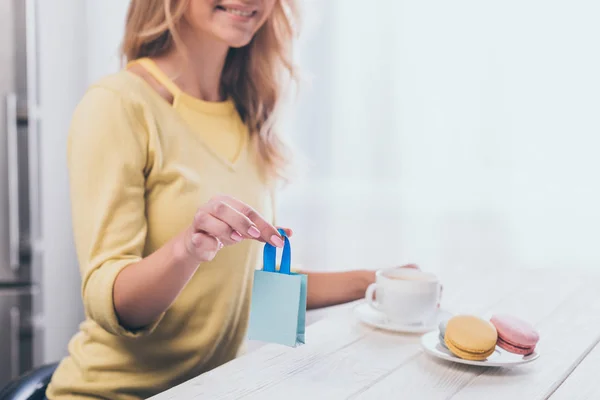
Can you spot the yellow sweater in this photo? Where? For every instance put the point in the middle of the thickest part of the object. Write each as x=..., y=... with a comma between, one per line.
x=139, y=169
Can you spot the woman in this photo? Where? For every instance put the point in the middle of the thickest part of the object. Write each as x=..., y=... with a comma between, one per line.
x=173, y=163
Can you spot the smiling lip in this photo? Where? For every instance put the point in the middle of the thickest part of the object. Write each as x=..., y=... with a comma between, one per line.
x=237, y=12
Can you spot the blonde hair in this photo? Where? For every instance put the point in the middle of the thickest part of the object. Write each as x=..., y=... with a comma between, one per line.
x=254, y=76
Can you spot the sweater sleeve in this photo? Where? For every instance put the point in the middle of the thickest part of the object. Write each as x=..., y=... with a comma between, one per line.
x=108, y=159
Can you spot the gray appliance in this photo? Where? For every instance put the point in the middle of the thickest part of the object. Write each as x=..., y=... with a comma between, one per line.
x=19, y=187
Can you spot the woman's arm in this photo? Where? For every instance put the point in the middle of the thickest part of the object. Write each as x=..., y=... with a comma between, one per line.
x=330, y=288
x=144, y=290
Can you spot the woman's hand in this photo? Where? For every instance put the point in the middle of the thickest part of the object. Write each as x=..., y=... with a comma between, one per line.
x=224, y=221
x=411, y=266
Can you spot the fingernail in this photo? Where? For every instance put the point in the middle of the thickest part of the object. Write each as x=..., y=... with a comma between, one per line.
x=236, y=237
x=254, y=232
x=277, y=241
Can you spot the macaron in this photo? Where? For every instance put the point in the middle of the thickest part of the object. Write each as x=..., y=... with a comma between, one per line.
x=470, y=337
x=515, y=335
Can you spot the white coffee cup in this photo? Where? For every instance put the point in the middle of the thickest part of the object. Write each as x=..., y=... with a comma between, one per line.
x=405, y=296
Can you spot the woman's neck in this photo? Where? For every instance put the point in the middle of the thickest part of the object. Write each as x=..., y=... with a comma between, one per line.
x=198, y=73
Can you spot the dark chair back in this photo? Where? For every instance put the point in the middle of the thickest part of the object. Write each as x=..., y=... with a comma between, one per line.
x=30, y=386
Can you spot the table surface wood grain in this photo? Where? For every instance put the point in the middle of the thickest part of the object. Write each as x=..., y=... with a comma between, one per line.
x=344, y=359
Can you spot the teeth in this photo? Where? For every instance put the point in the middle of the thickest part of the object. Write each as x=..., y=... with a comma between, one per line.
x=239, y=12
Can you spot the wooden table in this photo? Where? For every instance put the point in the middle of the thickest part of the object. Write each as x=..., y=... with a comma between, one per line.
x=344, y=359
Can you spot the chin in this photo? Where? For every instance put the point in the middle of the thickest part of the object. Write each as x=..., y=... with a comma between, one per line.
x=237, y=42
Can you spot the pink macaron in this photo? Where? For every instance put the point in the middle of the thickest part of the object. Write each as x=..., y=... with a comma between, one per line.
x=515, y=335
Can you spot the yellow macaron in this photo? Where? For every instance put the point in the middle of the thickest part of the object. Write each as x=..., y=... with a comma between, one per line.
x=470, y=337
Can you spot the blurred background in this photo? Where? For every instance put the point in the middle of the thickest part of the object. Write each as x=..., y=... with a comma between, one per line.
x=456, y=135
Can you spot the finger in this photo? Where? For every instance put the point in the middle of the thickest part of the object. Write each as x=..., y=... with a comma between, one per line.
x=411, y=266
x=268, y=232
x=288, y=231
x=205, y=246
x=238, y=222
x=208, y=223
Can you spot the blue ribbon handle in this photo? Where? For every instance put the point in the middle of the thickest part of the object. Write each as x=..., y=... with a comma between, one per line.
x=270, y=253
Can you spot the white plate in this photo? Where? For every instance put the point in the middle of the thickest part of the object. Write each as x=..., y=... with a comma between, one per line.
x=500, y=358
x=370, y=316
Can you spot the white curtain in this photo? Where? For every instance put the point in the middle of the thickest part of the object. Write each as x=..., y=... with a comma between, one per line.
x=451, y=134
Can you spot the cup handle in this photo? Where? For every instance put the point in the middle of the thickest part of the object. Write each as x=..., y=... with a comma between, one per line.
x=440, y=296
x=369, y=296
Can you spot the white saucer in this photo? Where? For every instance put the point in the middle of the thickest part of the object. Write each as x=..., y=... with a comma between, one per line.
x=372, y=317
x=500, y=357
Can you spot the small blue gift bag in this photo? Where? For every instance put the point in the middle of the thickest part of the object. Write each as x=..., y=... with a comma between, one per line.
x=278, y=308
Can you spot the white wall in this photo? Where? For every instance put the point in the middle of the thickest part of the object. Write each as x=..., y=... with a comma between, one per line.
x=105, y=26
x=62, y=76
x=498, y=124
x=461, y=133
x=78, y=43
